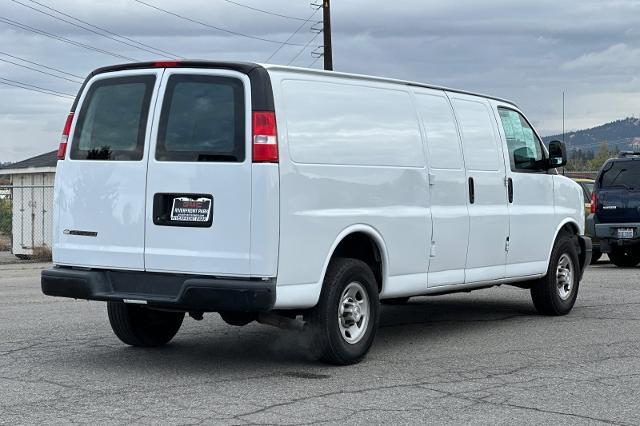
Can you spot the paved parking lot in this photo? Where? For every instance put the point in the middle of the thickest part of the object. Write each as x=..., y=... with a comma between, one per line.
x=483, y=357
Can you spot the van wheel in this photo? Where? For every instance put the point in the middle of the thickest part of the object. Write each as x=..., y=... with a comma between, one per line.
x=625, y=257
x=556, y=293
x=141, y=326
x=344, y=322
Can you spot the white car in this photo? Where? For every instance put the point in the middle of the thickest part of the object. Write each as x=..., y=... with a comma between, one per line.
x=301, y=198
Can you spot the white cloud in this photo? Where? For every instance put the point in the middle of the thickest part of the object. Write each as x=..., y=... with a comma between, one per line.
x=619, y=57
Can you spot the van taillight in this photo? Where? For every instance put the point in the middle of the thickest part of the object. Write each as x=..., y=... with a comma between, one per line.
x=62, y=149
x=265, y=139
x=166, y=64
x=594, y=202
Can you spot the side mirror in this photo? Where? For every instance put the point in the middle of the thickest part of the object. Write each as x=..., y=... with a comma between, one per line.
x=523, y=158
x=557, y=154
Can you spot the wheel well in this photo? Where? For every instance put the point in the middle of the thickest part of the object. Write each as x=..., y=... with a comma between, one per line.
x=570, y=228
x=362, y=247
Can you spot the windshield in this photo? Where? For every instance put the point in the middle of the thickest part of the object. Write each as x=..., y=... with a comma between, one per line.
x=621, y=174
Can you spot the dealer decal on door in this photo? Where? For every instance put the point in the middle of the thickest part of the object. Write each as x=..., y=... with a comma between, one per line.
x=186, y=209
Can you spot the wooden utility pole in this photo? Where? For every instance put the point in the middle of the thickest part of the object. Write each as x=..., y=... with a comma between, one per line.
x=326, y=28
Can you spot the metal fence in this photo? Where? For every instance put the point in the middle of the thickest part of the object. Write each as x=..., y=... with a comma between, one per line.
x=581, y=175
x=26, y=223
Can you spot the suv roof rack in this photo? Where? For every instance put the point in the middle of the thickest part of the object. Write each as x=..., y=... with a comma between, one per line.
x=625, y=154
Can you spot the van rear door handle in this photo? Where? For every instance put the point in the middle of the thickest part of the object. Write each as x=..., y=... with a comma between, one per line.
x=510, y=189
x=472, y=191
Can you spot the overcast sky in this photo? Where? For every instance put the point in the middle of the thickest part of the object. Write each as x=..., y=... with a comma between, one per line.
x=526, y=51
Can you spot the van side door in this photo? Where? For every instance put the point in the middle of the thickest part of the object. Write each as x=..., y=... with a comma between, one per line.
x=448, y=188
x=487, y=198
x=530, y=193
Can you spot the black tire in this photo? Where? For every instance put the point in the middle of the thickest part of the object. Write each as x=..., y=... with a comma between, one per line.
x=596, y=254
x=322, y=321
x=143, y=327
x=549, y=296
x=624, y=257
x=395, y=301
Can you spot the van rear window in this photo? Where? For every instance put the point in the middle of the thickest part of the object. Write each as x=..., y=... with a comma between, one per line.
x=621, y=174
x=113, y=120
x=202, y=119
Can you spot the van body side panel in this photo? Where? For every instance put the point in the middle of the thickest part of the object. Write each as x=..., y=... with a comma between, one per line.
x=488, y=211
x=568, y=202
x=350, y=153
x=265, y=219
x=99, y=191
x=448, y=188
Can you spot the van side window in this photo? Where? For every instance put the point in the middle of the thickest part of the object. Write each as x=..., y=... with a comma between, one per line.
x=478, y=136
x=442, y=136
x=202, y=119
x=113, y=120
x=525, y=149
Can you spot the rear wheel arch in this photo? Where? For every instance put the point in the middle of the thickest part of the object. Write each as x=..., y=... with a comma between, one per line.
x=363, y=243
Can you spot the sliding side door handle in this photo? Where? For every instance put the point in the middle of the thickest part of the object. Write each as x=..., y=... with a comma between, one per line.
x=472, y=191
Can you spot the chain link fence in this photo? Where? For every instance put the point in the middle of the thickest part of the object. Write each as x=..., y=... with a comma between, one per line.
x=26, y=223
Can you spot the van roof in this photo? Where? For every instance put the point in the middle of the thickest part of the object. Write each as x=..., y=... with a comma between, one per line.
x=246, y=67
x=381, y=79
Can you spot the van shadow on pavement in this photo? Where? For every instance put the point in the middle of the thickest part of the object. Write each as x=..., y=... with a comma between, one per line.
x=206, y=347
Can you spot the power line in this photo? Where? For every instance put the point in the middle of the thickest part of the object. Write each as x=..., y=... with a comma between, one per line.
x=40, y=71
x=76, y=25
x=34, y=88
x=173, y=55
x=63, y=39
x=41, y=65
x=304, y=48
x=291, y=36
x=264, y=11
x=213, y=26
x=314, y=61
x=108, y=35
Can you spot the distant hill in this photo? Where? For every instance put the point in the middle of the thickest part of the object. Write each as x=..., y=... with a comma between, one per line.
x=622, y=134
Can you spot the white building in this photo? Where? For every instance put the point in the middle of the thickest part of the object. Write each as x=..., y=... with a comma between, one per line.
x=31, y=183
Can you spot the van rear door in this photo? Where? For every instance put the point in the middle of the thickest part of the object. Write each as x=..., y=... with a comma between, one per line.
x=198, y=193
x=100, y=188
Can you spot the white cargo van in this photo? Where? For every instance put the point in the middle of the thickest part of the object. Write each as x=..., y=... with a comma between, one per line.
x=301, y=198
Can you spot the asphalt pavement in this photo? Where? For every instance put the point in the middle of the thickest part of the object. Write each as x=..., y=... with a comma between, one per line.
x=484, y=357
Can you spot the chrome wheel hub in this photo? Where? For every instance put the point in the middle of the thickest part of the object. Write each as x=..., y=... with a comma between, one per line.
x=353, y=313
x=564, y=276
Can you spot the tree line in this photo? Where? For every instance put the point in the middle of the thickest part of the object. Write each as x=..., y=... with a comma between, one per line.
x=585, y=160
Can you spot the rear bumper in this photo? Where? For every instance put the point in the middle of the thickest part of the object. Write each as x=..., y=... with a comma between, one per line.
x=190, y=293
x=609, y=230
x=607, y=233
